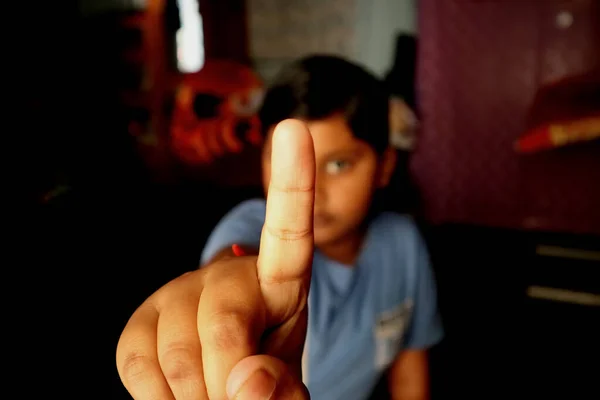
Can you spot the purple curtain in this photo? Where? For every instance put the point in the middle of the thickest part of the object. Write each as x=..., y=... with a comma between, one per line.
x=480, y=67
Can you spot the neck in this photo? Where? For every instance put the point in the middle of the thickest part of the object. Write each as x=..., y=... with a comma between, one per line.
x=344, y=250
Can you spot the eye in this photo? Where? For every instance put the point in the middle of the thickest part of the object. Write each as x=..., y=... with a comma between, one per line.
x=335, y=167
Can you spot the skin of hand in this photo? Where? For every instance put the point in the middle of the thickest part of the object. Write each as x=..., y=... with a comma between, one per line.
x=235, y=328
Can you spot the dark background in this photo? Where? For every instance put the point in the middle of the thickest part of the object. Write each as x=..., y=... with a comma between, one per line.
x=92, y=255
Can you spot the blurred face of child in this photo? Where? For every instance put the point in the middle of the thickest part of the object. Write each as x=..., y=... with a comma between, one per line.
x=348, y=171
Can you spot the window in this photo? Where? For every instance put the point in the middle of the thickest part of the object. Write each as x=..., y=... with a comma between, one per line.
x=190, y=37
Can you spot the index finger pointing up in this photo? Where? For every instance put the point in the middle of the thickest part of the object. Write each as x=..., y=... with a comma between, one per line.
x=286, y=246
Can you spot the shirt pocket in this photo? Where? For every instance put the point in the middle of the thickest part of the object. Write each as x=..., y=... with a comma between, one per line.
x=389, y=329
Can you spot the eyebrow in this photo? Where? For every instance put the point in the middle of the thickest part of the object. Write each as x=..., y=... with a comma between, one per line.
x=355, y=152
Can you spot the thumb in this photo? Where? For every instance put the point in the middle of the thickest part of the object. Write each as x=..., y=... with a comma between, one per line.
x=264, y=378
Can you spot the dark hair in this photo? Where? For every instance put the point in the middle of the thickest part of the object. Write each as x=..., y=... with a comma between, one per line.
x=400, y=79
x=319, y=86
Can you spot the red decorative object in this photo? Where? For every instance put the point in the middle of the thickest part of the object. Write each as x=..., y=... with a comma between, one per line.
x=559, y=134
x=564, y=112
x=215, y=112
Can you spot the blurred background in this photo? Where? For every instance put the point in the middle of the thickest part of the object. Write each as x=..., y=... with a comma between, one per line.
x=140, y=130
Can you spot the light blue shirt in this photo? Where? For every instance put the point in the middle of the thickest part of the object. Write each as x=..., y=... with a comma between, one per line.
x=360, y=318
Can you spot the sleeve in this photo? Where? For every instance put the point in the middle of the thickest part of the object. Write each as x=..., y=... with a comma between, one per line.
x=425, y=329
x=242, y=225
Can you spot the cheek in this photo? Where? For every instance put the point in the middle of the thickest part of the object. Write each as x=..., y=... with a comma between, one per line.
x=353, y=192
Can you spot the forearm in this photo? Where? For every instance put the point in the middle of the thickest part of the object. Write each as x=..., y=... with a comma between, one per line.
x=400, y=391
x=409, y=377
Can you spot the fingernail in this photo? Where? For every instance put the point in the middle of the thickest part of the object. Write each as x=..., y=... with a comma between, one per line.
x=259, y=386
x=238, y=251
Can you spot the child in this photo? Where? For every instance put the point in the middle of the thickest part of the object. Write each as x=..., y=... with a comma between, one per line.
x=237, y=327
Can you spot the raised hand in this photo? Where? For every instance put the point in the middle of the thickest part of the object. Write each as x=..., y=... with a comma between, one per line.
x=235, y=328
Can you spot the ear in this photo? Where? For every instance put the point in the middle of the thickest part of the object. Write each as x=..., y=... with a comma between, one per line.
x=386, y=167
x=396, y=114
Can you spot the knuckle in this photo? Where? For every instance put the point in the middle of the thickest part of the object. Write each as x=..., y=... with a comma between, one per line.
x=288, y=235
x=178, y=363
x=291, y=189
x=229, y=330
x=135, y=367
x=190, y=283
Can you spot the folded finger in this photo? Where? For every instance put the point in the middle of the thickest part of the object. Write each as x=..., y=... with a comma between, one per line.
x=265, y=377
x=230, y=320
x=137, y=359
x=179, y=350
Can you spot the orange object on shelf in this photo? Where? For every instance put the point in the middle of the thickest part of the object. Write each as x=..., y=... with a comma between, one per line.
x=564, y=112
x=559, y=134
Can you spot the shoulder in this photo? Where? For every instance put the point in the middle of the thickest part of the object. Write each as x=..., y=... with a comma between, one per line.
x=399, y=244
x=396, y=229
x=242, y=225
x=249, y=213
x=250, y=208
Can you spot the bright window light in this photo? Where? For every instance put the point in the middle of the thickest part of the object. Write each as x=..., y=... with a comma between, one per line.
x=190, y=37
